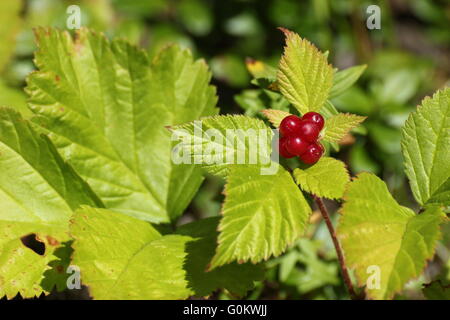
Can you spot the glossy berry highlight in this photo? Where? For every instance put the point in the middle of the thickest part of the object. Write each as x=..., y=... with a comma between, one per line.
x=312, y=154
x=296, y=145
x=290, y=125
x=315, y=118
x=309, y=130
x=300, y=137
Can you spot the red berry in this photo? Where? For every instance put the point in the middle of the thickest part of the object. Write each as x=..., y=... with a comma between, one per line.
x=289, y=125
x=296, y=145
x=312, y=153
x=282, y=148
x=316, y=118
x=309, y=130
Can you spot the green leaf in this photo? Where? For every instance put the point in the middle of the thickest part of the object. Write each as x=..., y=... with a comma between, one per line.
x=262, y=215
x=275, y=116
x=396, y=87
x=255, y=100
x=105, y=106
x=14, y=98
x=56, y=277
x=10, y=15
x=236, y=278
x=339, y=125
x=304, y=77
x=250, y=101
x=327, y=111
x=259, y=69
x=327, y=178
x=385, y=138
x=220, y=142
x=360, y=160
x=121, y=257
x=230, y=69
x=287, y=264
x=21, y=269
x=376, y=231
x=195, y=16
x=38, y=192
x=426, y=148
x=437, y=290
x=316, y=272
x=344, y=79
x=355, y=100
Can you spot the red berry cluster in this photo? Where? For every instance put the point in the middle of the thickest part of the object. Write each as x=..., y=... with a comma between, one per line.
x=299, y=137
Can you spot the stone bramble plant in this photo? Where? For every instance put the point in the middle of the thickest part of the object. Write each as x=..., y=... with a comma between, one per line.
x=90, y=176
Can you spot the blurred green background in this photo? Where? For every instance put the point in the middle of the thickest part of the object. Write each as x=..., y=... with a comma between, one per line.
x=407, y=59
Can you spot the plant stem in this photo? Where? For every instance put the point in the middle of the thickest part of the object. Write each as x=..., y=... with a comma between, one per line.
x=338, y=248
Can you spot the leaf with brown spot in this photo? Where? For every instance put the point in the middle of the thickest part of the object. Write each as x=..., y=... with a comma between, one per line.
x=46, y=190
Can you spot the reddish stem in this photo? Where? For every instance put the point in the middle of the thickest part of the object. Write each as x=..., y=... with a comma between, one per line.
x=345, y=274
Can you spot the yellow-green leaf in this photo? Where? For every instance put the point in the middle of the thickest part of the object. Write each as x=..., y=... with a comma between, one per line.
x=105, y=106
x=304, y=77
x=124, y=258
x=426, y=148
x=262, y=215
x=327, y=178
x=259, y=69
x=383, y=240
x=38, y=192
x=344, y=79
x=275, y=116
x=339, y=125
x=11, y=21
x=220, y=142
x=437, y=290
x=234, y=277
x=121, y=257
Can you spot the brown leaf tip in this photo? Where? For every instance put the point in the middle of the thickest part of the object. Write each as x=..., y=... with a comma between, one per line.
x=250, y=61
x=285, y=31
